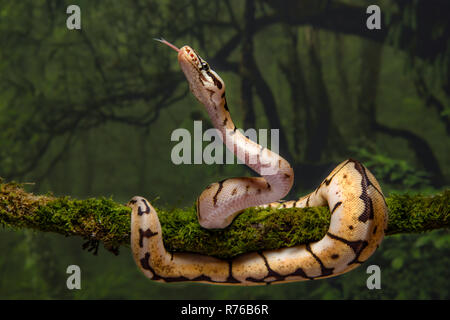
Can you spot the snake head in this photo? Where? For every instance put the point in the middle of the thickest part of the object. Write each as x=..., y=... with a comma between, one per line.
x=205, y=84
x=139, y=204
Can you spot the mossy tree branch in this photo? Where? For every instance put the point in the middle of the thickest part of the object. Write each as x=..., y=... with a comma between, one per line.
x=103, y=220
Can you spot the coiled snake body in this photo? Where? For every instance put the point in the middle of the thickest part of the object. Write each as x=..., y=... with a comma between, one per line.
x=357, y=205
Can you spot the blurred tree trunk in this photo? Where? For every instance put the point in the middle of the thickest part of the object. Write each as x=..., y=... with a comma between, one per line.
x=423, y=152
x=314, y=130
x=269, y=105
x=431, y=100
x=300, y=100
x=369, y=79
x=344, y=83
x=319, y=122
x=88, y=156
x=246, y=60
x=142, y=165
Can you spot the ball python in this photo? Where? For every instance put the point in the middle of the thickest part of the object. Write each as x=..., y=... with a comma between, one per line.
x=358, y=208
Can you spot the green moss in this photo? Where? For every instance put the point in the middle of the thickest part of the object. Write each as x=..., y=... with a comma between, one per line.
x=103, y=220
x=254, y=229
x=418, y=213
x=96, y=220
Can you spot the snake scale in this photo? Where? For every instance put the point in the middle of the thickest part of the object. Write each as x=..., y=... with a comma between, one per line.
x=358, y=208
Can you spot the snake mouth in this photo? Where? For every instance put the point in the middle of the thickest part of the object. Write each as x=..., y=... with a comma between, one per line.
x=187, y=55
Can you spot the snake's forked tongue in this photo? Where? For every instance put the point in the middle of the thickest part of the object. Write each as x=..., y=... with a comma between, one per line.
x=162, y=40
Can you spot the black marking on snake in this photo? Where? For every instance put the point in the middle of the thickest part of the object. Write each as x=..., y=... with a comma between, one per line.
x=368, y=212
x=147, y=208
x=145, y=265
x=218, y=191
x=375, y=230
x=295, y=204
x=370, y=183
x=230, y=278
x=324, y=270
x=199, y=58
x=225, y=105
x=147, y=234
x=279, y=277
x=357, y=246
x=225, y=121
x=132, y=201
x=300, y=272
x=328, y=181
x=271, y=273
x=307, y=201
x=217, y=83
x=181, y=278
x=199, y=278
x=365, y=182
x=144, y=262
x=223, y=94
x=211, y=93
x=334, y=256
x=336, y=206
x=202, y=78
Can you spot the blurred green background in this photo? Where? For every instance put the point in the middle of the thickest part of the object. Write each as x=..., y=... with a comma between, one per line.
x=90, y=112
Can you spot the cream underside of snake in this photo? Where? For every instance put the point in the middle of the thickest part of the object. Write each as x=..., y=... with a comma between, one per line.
x=358, y=220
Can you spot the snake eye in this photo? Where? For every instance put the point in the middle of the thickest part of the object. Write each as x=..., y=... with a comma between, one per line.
x=205, y=66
